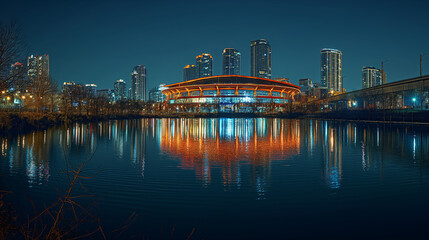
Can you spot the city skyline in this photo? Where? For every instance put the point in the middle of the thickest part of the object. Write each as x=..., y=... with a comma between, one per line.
x=104, y=52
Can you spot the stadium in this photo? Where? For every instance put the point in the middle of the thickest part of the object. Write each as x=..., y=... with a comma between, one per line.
x=230, y=92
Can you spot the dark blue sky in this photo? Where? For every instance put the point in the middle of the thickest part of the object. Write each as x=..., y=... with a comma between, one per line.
x=100, y=42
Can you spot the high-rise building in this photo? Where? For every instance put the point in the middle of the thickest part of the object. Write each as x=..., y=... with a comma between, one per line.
x=120, y=89
x=331, y=69
x=38, y=67
x=68, y=87
x=17, y=68
x=204, y=65
x=17, y=73
x=189, y=72
x=371, y=77
x=107, y=94
x=155, y=94
x=231, y=61
x=138, y=83
x=260, y=59
x=91, y=89
x=306, y=85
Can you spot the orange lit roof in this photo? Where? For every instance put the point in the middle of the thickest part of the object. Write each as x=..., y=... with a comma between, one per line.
x=240, y=76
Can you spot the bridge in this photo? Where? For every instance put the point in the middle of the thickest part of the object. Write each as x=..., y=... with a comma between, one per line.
x=410, y=93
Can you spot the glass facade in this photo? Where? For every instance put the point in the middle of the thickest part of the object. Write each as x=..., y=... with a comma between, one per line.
x=204, y=65
x=37, y=66
x=371, y=77
x=120, y=87
x=260, y=59
x=331, y=69
x=189, y=72
x=138, y=83
x=231, y=61
x=155, y=94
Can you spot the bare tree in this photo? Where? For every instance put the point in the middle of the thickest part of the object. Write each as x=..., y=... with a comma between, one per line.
x=11, y=52
x=43, y=89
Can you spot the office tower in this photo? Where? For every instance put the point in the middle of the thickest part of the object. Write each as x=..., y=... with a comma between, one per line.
x=189, y=72
x=107, y=94
x=120, y=87
x=16, y=78
x=138, y=83
x=91, y=89
x=260, y=59
x=306, y=85
x=17, y=69
x=231, y=61
x=331, y=69
x=371, y=77
x=68, y=87
x=38, y=67
x=204, y=65
x=155, y=94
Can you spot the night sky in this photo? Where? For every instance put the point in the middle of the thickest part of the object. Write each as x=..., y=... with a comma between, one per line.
x=100, y=42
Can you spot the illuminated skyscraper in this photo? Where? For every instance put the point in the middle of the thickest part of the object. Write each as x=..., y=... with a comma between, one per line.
x=260, y=59
x=204, y=65
x=155, y=94
x=120, y=88
x=189, y=72
x=37, y=67
x=371, y=77
x=331, y=69
x=231, y=61
x=138, y=83
x=91, y=89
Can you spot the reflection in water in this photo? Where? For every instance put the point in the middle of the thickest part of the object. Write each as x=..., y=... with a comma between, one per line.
x=30, y=153
x=230, y=144
x=233, y=152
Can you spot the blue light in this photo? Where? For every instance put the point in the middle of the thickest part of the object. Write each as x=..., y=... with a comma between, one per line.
x=414, y=99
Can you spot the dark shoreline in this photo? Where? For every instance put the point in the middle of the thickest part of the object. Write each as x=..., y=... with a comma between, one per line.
x=16, y=123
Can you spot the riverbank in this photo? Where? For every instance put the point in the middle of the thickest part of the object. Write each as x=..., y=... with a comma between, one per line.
x=376, y=116
x=13, y=123
x=223, y=115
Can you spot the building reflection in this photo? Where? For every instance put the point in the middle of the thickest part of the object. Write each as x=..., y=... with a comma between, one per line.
x=239, y=152
x=30, y=153
x=332, y=148
x=206, y=145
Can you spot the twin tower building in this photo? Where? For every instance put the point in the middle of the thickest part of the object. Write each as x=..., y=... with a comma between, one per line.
x=260, y=61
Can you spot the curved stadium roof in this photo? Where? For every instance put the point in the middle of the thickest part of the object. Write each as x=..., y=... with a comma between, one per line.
x=232, y=79
x=220, y=87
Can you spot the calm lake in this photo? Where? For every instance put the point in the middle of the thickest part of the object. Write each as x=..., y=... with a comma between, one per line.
x=253, y=178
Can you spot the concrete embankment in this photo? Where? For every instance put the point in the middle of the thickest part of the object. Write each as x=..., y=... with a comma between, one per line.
x=379, y=116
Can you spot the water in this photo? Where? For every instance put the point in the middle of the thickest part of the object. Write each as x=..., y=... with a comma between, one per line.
x=233, y=178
